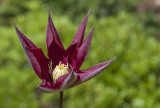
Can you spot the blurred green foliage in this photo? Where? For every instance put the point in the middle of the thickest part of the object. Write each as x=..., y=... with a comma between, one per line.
x=131, y=81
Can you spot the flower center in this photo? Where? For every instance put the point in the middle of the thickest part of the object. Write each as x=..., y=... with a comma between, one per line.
x=60, y=70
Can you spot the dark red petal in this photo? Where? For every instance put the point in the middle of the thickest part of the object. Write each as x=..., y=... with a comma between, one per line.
x=52, y=33
x=65, y=60
x=24, y=40
x=80, y=32
x=60, y=80
x=73, y=62
x=39, y=63
x=56, y=53
x=47, y=90
x=71, y=49
x=84, y=49
x=72, y=77
x=48, y=87
x=87, y=74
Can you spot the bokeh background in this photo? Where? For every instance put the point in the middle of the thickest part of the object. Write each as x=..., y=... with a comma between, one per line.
x=128, y=29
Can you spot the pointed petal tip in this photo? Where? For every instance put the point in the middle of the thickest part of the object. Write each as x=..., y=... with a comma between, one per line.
x=92, y=28
x=91, y=72
x=16, y=28
x=51, y=33
x=49, y=14
x=88, y=14
x=114, y=58
x=86, y=17
x=14, y=24
x=110, y=61
x=18, y=31
x=91, y=32
x=48, y=9
x=78, y=38
x=89, y=11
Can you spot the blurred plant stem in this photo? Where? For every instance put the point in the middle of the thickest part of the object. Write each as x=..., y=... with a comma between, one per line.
x=61, y=99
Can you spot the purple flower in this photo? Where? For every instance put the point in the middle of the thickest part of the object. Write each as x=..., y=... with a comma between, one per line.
x=60, y=70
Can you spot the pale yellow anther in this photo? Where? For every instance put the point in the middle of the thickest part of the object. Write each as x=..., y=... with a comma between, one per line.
x=60, y=70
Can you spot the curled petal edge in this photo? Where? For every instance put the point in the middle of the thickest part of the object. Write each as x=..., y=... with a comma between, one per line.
x=72, y=77
x=46, y=90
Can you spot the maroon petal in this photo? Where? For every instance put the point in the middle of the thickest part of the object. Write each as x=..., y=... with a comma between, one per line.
x=60, y=81
x=56, y=53
x=39, y=63
x=72, y=77
x=48, y=87
x=52, y=34
x=73, y=63
x=65, y=60
x=24, y=40
x=80, y=32
x=84, y=49
x=87, y=74
x=46, y=90
x=71, y=49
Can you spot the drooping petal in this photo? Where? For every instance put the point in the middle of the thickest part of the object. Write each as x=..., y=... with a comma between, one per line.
x=80, y=32
x=48, y=87
x=39, y=63
x=56, y=53
x=87, y=74
x=72, y=77
x=24, y=40
x=46, y=90
x=52, y=34
x=84, y=49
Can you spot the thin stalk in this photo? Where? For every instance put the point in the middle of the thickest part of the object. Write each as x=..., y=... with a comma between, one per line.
x=61, y=99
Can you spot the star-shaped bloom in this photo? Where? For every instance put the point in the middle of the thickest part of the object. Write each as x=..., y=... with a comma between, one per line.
x=61, y=69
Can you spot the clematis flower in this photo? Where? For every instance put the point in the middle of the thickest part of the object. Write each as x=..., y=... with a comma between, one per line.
x=60, y=70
